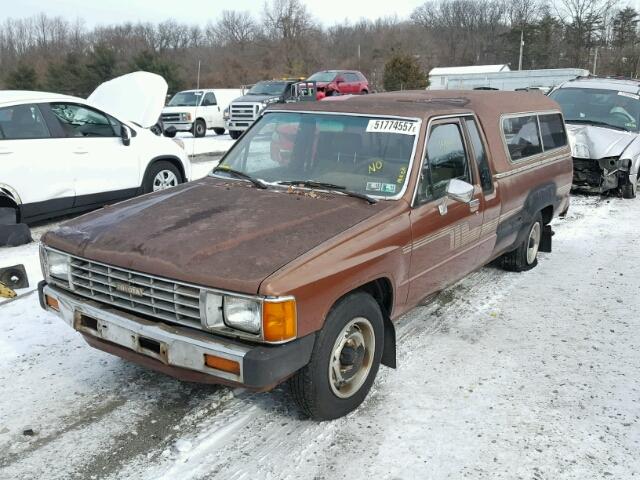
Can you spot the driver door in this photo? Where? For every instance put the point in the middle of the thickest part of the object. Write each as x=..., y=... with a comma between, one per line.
x=445, y=233
x=210, y=110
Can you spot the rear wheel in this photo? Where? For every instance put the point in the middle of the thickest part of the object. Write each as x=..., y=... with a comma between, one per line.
x=235, y=134
x=219, y=131
x=345, y=359
x=525, y=257
x=199, y=128
x=160, y=176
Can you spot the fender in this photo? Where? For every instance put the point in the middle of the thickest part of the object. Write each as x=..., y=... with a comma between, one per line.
x=539, y=198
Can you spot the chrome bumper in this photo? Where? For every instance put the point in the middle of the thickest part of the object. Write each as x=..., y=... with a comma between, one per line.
x=181, y=127
x=174, y=346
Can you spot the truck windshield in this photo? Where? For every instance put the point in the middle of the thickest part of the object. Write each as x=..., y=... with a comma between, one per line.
x=268, y=88
x=606, y=108
x=185, y=99
x=367, y=155
x=322, y=77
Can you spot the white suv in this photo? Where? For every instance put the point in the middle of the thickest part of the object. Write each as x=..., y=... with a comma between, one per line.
x=61, y=154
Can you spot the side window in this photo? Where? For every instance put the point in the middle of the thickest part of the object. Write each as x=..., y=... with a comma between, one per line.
x=351, y=77
x=446, y=159
x=22, y=122
x=522, y=136
x=209, y=99
x=480, y=156
x=552, y=129
x=81, y=121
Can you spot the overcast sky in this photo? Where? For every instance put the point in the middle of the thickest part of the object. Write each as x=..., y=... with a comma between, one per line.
x=96, y=12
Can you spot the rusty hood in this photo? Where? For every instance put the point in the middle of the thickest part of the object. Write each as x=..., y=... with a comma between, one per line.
x=212, y=232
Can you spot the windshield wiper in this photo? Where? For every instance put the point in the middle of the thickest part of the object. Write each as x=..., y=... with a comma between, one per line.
x=328, y=186
x=239, y=174
x=596, y=123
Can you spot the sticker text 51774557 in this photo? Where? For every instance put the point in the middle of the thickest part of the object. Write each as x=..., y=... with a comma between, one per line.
x=403, y=127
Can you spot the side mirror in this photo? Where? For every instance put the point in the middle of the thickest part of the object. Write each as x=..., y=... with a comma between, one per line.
x=170, y=131
x=125, y=135
x=339, y=80
x=460, y=191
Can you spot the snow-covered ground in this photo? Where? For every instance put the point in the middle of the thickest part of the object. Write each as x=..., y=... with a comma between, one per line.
x=503, y=376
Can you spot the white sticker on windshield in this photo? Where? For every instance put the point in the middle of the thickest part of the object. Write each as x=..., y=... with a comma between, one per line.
x=392, y=126
x=630, y=95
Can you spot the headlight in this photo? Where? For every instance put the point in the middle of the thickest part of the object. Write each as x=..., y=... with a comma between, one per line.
x=185, y=117
x=211, y=310
x=55, y=264
x=226, y=114
x=242, y=313
x=580, y=150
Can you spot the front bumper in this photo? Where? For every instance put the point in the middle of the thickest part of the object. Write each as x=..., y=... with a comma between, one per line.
x=179, y=126
x=177, y=351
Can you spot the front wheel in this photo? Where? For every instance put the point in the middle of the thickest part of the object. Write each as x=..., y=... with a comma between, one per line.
x=525, y=257
x=160, y=176
x=628, y=190
x=345, y=359
x=218, y=131
x=235, y=134
x=199, y=128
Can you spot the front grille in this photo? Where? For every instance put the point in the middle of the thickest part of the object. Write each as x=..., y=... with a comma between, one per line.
x=243, y=111
x=587, y=172
x=140, y=293
x=170, y=117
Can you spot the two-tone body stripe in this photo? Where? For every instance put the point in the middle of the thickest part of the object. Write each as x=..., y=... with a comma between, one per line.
x=531, y=166
x=459, y=235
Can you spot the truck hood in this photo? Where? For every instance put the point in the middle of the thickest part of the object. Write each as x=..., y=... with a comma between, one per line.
x=212, y=232
x=255, y=98
x=601, y=142
x=136, y=97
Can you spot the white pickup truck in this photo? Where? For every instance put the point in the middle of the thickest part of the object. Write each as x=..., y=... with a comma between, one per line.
x=197, y=111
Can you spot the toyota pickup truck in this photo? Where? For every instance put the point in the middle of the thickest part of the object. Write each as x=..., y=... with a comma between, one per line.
x=295, y=265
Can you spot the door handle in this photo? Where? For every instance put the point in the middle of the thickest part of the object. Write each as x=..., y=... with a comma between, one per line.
x=474, y=205
x=80, y=152
x=5, y=152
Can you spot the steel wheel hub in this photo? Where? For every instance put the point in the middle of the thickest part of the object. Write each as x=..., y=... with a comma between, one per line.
x=533, y=243
x=164, y=179
x=351, y=357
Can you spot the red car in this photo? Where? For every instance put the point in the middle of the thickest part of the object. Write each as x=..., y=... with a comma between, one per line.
x=341, y=82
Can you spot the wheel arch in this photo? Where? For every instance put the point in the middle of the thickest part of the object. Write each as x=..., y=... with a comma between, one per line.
x=9, y=198
x=381, y=289
x=167, y=158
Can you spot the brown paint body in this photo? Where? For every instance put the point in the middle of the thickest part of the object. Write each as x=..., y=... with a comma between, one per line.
x=231, y=236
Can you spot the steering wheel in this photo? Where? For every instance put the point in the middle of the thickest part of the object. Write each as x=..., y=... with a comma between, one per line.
x=623, y=117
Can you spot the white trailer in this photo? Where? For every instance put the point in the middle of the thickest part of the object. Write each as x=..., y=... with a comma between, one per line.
x=449, y=79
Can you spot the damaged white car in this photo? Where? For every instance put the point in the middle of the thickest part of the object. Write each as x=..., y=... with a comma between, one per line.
x=603, y=124
x=62, y=154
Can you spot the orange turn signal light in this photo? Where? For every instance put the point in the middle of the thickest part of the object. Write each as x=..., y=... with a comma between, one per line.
x=279, y=320
x=221, y=363
x=52, y=303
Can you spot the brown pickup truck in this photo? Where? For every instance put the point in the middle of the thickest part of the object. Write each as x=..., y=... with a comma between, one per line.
x=322, y=225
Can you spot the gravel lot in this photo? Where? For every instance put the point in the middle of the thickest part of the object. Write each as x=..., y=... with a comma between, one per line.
x=503, y=376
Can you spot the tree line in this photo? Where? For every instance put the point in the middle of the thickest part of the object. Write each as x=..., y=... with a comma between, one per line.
x=55, y=54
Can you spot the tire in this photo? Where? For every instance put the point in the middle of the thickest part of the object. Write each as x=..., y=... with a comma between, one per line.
x=218, y=131
x=364, y=92
x=315, y=387
x=199, y=128
x=525, y=257
x=235, y=134
x=170, y=133
x=628, y=190
x=153, y=179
